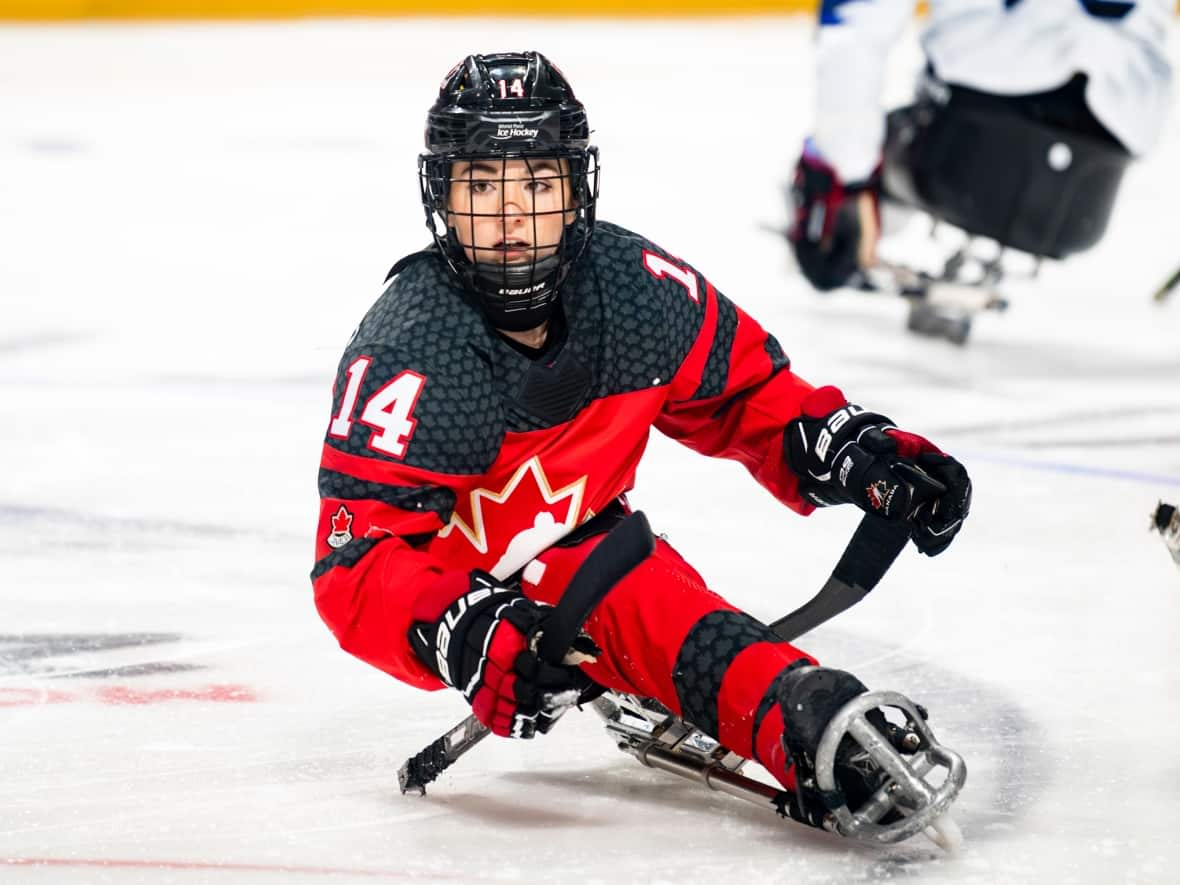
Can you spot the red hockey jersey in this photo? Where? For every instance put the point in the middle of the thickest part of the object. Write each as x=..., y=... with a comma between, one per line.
x=449, y=448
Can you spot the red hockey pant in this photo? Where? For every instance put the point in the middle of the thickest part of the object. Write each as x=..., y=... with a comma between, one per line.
x=665, y=635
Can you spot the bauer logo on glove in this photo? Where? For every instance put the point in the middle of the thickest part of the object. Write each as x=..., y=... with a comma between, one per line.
x=480, y=636
x=882, y=470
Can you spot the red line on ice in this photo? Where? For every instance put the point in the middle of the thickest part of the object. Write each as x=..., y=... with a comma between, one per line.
x=230, y=867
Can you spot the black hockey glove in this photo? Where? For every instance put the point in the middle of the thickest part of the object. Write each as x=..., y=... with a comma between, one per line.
x=826, y=229
x=843, y=454
x=479, y=636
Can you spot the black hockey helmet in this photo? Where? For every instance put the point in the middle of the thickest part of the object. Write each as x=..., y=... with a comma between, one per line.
x=511, y=106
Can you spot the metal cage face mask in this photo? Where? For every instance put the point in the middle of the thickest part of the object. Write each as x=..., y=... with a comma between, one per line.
x=512, y=227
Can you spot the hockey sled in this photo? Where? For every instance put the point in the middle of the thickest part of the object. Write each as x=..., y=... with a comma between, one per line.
x=974, y=164
x=646, y=730
x=905, y=802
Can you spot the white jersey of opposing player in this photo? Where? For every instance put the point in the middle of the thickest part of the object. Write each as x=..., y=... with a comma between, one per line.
x=1006, y=47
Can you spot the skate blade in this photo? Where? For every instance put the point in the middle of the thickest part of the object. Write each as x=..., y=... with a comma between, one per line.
x=945, y=833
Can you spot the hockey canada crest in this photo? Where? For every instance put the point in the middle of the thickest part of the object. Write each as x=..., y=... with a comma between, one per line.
x=341, y=532
x=515, y=522
x=880, y=495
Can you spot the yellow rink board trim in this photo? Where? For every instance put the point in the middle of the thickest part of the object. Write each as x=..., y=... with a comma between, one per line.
x=44, y=10
x=51, y=10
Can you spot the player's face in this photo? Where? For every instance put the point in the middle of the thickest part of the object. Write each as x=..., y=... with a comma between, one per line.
x=510, y=211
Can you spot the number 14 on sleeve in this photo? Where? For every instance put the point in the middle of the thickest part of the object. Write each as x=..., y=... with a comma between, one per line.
x=387, y=412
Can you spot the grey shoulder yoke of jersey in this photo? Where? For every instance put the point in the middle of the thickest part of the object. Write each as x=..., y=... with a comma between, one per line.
x=422, y=311
x=650, y=304
x=422, y=328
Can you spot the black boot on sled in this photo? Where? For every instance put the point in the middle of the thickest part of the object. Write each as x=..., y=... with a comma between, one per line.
x=858, y=773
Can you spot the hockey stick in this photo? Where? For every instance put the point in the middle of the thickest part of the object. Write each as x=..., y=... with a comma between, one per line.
x=1170, y=283
x=623, y=548
x=874, y=546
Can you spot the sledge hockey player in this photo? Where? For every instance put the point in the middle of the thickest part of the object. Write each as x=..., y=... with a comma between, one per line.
x=1026, y=116
x=488, y=418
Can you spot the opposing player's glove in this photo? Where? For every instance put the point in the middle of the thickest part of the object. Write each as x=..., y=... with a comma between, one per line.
x=834, y=224
x=843, y=454
x=479, y=636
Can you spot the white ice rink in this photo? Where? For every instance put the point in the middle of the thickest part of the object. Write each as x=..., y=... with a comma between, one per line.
x=193, y=219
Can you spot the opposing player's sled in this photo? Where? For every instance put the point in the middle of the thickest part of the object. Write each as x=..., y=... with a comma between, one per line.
x=1008, y=183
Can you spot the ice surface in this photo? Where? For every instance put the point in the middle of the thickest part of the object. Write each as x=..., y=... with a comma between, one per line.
x=194, y=218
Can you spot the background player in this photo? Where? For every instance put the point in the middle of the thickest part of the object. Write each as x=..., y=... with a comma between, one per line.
x=1026, y=117
x=491, y=410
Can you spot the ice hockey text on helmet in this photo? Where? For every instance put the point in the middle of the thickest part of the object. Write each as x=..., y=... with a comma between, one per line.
x=503, y=132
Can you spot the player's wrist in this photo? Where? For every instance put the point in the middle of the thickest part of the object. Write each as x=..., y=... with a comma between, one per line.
x=850, y=179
